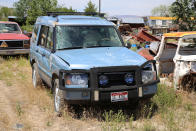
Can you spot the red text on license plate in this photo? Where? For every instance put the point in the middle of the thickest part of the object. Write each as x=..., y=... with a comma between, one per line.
x=119, y=96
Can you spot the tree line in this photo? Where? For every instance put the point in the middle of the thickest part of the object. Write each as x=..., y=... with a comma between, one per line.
x=183, y=10
x=29, y=10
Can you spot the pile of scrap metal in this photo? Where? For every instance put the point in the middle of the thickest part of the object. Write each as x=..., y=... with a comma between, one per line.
x=144, y=36
x=152, y=41
x=151, y=52
x=125, y=29
x=141, y=36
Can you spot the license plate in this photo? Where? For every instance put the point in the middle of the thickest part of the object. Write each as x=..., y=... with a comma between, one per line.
x=119, y=96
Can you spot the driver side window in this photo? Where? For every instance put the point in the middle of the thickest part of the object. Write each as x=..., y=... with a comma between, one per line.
x=49, y=43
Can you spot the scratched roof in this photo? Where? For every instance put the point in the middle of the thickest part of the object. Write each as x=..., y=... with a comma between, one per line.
x=179, y=34
x=72, y=20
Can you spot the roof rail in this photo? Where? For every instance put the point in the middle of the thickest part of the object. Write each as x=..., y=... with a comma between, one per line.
x=75, y=13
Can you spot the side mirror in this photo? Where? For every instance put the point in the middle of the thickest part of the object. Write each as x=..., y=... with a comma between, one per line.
x=128, y=45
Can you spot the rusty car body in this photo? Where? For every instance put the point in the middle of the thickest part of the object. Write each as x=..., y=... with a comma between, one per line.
x=12, y=40
x=177, y=56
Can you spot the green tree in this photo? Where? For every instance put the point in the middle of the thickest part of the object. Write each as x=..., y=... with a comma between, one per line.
x=185, y=13
x=39, y=8
x=90, y=7
x=22, y=6
x=5, y=12
x=161, y=10
x=31, y=9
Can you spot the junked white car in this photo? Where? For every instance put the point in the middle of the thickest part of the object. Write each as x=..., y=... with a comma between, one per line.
x=177, y=56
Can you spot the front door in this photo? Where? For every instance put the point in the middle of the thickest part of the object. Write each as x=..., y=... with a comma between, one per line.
x=46, y=59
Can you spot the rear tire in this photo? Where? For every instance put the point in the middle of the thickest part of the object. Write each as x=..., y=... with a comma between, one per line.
x=35, y=76
x=59, y=103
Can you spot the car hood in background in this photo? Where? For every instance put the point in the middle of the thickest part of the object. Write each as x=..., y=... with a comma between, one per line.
x=13, y=36
x=100, y=57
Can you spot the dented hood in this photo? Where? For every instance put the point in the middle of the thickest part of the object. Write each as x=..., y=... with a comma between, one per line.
x=13, y=36
x=100, y=57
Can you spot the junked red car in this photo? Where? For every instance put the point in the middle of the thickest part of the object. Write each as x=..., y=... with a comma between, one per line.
x=12, y=40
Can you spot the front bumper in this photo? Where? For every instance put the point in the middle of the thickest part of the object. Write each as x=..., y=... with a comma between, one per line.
x=14, y=51
x=87, y=96
x=95, y=94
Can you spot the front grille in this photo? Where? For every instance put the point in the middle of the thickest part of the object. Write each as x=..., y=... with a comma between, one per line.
x=11, y=44
x=116, y=79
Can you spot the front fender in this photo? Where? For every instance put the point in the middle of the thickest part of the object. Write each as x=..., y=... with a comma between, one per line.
x=57, y=64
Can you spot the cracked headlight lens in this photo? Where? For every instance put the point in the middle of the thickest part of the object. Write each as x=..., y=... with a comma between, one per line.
x=76, y=80
x=148, y=73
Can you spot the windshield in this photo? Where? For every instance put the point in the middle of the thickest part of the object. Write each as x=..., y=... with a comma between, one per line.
x=188, y=46
x=9, y=28
x=68, y=37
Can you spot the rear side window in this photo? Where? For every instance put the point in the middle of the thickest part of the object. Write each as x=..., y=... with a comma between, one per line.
x=43, y=36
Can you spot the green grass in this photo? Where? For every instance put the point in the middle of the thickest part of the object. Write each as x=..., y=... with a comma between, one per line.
x=188, y=107
x=114, y=121
x=148, y=127
x=12, y=68
x=166, y=98
x=49, y=123
x=19, y=109
x=28, y=28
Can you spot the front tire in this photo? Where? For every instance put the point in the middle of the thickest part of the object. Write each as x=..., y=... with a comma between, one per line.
x=35, y=76
x=59, y=103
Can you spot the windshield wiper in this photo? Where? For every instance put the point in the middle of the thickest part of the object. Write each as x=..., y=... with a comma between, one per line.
x=97, y=46
x=70, y=48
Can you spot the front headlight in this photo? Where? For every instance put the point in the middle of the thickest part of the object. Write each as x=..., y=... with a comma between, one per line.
x=148, y=73
x=76, y=80
x=26, y=42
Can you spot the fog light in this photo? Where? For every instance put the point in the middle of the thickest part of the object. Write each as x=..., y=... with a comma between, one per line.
x=140, y=94
x=129, y=78
x=96, y=95
x=103, y=80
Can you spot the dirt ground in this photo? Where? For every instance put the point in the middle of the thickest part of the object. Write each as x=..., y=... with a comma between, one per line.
x=24, y=108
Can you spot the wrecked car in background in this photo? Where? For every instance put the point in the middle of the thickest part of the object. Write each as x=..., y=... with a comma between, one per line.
x=12, y=40
x=177, y=56
x=84, y=60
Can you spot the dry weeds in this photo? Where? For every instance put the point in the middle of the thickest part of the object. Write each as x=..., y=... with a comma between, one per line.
x=20, y=103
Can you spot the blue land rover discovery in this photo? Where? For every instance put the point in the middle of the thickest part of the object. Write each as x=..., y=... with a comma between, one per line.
x=84, y=60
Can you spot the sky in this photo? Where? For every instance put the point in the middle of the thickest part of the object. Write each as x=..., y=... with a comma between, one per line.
x=111, y=7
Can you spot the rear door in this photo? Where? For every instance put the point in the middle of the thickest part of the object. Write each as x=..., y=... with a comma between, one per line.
x=34, y=42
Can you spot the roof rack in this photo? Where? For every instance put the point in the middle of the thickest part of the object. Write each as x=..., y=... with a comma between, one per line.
x=75, y=13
